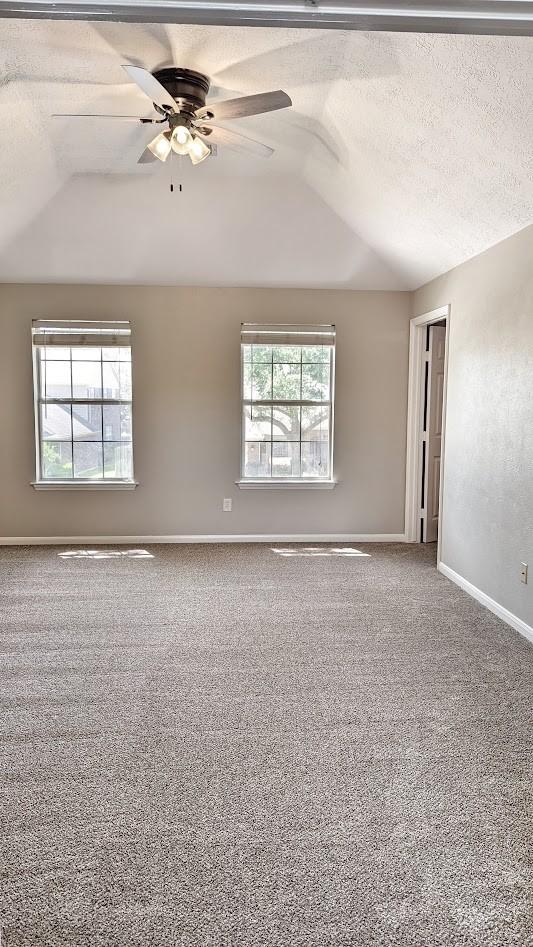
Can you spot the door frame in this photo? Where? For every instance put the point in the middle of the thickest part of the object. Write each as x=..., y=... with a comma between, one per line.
x=415, y=411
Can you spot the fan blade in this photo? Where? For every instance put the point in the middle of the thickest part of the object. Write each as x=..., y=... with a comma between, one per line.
x=147, y=157
x=122, y=118
x=223, y=136
x=151, y=87
x=245, y=105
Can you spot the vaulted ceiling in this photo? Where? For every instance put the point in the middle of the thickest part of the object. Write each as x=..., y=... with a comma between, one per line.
x=404, y=154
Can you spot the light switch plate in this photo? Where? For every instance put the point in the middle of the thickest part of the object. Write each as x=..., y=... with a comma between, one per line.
x=523, y=572
x=226, y=505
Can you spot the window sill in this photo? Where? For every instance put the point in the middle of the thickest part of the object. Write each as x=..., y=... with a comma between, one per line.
x=84, y=484
x=286, y=484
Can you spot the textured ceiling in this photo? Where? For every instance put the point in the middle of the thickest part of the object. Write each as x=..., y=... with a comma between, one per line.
x=404, y=155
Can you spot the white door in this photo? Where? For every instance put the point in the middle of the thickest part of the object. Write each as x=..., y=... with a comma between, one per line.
x=433, y=433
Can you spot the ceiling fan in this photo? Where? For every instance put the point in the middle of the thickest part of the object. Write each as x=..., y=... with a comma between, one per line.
x=179, y=96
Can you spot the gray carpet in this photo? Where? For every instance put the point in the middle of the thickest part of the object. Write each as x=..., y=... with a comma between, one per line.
x=229, y=746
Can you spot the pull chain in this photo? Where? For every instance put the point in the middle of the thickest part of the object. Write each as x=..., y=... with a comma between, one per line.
x=171, y=176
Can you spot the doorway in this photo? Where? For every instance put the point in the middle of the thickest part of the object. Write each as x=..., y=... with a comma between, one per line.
x=431, y=435
x=428, y=351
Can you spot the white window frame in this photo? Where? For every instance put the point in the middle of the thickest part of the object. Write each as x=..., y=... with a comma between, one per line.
x=294, y=335
x=100, y=334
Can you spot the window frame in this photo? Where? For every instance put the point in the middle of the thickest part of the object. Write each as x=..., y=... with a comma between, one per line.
x=76, y=483
x=277, y=483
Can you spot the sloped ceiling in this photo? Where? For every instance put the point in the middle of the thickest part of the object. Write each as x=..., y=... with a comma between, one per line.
x=404, y=154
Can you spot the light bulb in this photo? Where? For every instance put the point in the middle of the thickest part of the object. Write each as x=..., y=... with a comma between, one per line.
x=181, y=140
x=160, y=146
x=198, y=150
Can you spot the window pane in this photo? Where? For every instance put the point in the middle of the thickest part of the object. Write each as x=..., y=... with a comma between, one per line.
x=246, y=351
x=54, y=353
x=55, y=422
x=315, y=382
x=262, y=353
x=315, y=423
x=286, y=353
x=261, y=376
x=118, y=461
x=257, y=423
x=87, y=461
x=87, y=422
x=87, y=379
x=55, y=380
x=117, y=422
x=285, y=459
x=286, y=382
x=117, y=379
x=86, y=353
x=315, y=459
x=56, y=460
x=247, y=381
x=125, y=379
x=117, y=353
x=316, y=353
x=286, y=423
x=111, y=379
x=257, y=459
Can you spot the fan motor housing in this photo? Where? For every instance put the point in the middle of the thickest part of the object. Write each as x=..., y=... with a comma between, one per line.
x=184, y=84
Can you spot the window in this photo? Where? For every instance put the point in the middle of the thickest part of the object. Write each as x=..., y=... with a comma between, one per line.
x=82, y=377
x=287, y=402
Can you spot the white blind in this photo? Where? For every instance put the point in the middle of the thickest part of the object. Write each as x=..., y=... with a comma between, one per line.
x=65, y=332
x=280, y=334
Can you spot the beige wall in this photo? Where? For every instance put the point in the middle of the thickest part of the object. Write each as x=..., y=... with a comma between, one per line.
x=487, y=527
x=187, y=419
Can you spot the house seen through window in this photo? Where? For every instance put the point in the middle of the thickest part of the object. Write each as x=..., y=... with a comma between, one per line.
x=83, y=401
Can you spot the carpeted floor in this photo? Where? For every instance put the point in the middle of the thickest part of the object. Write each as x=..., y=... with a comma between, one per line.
x=240, y=746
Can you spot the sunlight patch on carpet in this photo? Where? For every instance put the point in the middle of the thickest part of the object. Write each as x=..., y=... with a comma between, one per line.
x=311, y=551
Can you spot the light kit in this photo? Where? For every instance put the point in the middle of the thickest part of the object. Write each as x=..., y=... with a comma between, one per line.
x=182, y=142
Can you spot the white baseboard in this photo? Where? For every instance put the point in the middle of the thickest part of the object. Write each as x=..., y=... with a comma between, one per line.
x=213, y=538
x=508, y=617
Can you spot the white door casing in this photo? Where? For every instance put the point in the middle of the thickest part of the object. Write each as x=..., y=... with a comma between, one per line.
x=433, y=433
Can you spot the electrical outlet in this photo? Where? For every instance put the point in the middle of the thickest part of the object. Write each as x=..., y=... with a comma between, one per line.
x=226, y=505
x=523, y=572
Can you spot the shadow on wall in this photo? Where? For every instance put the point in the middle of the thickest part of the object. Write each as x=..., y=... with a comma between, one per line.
x=315, y=247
